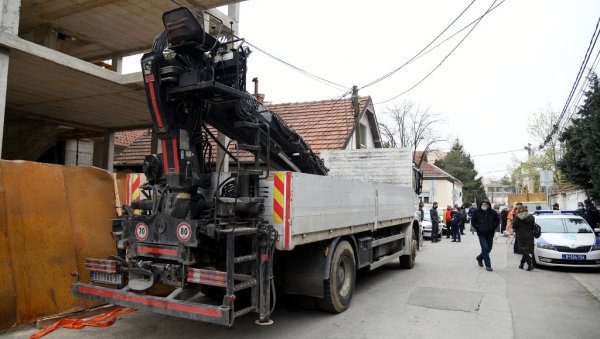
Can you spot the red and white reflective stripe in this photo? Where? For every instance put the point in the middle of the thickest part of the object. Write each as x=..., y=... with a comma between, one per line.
x=207, y=277
x=101, y=265
x=150, y=301
x=282, y=184
x=157, y=250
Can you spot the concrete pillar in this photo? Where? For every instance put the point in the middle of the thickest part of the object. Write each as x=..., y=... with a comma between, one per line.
x=104, y=152
x=233, y=11
x=222, y=157
x=154, y=143
x=117, y=64
x=9, y=22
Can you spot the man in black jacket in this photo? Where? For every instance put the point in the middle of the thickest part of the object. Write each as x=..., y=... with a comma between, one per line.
x=485, y=220
x=435, y=222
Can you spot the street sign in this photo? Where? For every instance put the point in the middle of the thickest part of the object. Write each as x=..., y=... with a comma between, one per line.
x=546, y=178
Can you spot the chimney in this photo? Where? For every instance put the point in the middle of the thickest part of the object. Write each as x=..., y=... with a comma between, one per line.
x=259, y=97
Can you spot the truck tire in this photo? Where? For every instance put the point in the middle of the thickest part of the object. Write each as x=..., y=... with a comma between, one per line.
x=339, y=288
x=408, y=261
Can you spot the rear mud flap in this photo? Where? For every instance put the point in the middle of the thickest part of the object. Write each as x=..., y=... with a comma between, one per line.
x=177, y=308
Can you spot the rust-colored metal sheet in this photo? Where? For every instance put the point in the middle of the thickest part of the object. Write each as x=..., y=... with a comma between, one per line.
x=526, y=197
x=52, y=218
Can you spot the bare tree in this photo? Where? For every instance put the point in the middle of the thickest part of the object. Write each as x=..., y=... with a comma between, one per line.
x=414, y=127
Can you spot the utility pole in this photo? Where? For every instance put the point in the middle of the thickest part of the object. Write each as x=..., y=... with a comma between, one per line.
x=356, y=116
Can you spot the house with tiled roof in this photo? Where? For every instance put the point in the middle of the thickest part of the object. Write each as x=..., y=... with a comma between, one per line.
x=324, y=125
x=439, y=185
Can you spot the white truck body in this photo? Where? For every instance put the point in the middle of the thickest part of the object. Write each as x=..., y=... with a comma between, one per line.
x=365, y=190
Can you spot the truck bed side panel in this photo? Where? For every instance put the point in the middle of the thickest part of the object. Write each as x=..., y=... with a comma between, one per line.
x=315, y=207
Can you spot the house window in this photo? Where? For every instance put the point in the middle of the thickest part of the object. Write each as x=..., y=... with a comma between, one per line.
x=363, y=136
x=426, y=200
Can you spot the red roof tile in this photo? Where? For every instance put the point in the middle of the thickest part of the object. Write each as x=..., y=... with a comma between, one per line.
x=323, y=124
x=136, y=151
x=125, y=138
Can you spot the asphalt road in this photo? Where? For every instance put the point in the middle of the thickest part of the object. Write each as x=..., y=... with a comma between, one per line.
x=446, y=295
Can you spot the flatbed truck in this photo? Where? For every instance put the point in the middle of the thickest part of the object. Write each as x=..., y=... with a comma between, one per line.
x=226, y=242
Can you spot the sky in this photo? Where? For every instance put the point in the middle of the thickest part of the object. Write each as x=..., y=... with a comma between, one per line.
x=521, y=59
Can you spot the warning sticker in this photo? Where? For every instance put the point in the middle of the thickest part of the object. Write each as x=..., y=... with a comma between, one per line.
x=184, y=231
x=141, y=231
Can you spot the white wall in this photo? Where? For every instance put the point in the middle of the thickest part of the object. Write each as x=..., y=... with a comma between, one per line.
x=568, y=200
x=368, y=138
x=86, y=152
x=443, y=191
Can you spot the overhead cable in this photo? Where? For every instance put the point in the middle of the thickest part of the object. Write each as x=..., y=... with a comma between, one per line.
x=582, y=68
x=445, y=58
x=385, y=76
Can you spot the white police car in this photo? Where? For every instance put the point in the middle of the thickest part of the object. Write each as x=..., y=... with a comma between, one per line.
x=566, y=240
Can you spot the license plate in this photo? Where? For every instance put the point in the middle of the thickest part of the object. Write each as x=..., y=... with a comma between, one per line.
x=106, y=278
x=573, y=256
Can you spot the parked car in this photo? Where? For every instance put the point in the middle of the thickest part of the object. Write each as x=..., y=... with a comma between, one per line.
x=566, y=240
x=427, y=227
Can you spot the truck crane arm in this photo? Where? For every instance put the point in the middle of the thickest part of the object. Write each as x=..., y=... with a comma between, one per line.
x=193, y=79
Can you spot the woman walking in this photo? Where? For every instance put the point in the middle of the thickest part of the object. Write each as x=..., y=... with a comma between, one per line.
x=524, y=224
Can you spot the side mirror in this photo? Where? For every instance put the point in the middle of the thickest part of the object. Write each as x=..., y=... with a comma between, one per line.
x=597, y=231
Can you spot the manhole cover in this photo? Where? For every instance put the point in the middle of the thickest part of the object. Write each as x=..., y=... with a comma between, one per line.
x=446, y=299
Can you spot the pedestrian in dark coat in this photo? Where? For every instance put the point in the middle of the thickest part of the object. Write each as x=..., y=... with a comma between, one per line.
x=455, y=224
x=435, y=222
x=580, y=210
x=524, y=225
x=592, y=216
x=503, y=220
x=462, y=215
x=485, y=220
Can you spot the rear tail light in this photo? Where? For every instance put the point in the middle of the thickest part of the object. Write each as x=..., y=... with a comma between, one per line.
x=102, y=265
x=207, y=277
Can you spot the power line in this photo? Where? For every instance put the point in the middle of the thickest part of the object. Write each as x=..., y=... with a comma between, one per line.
x=582, y=68
x=444, y=59
x=504, y=170
x=580, y=94
x=503, y=152
x=385, y=76
x=310, y=75
x=460, y=30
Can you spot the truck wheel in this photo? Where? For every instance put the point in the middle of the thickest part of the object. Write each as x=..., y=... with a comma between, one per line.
x=340, y=286
x=408, y=261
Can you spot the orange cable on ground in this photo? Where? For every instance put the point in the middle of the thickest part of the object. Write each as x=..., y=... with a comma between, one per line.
x=101, y=320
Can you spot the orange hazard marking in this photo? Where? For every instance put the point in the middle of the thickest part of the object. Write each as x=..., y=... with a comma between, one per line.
x=278, y=197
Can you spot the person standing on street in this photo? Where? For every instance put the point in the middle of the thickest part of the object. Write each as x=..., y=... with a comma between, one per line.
x=485, y=220
x=421, y=211
x=516, y=248
x=592, y=215
x=556, y=207
x=448, y=220
x=524, y=225
x=435, y=222
x=462, y=215
x=503, y=220
x=580, y=210
x=455, y=224
x=472, y=210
